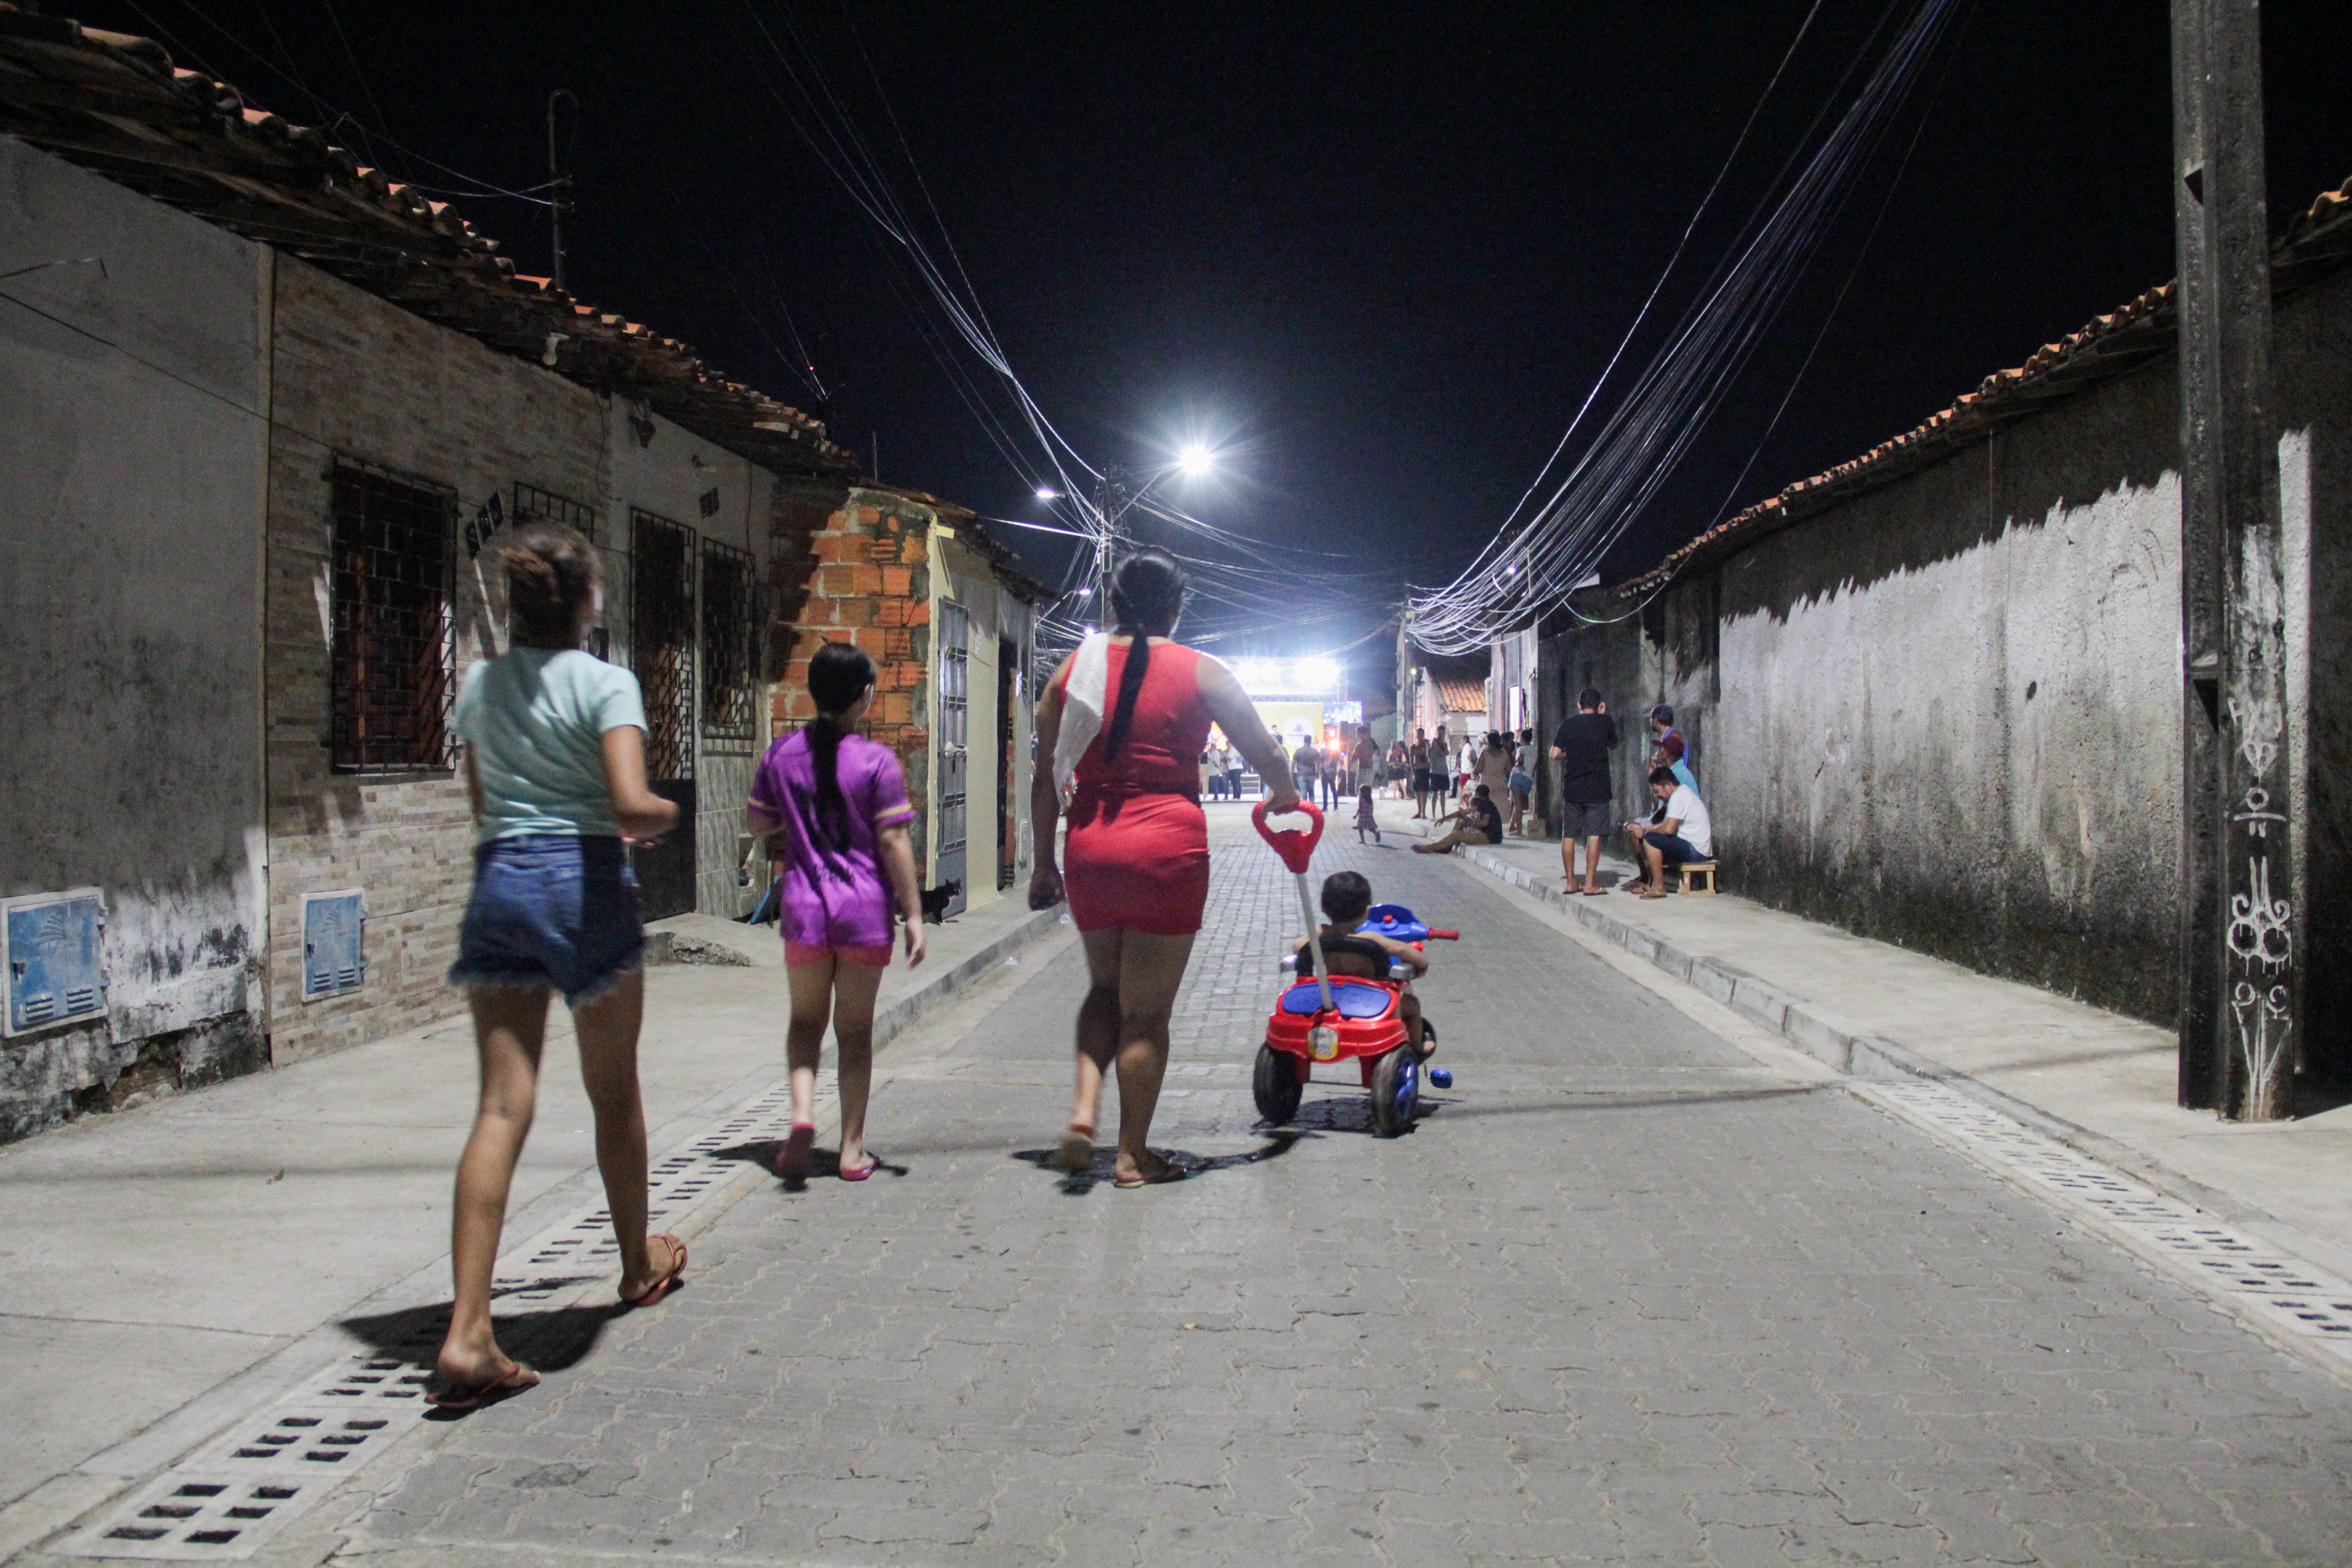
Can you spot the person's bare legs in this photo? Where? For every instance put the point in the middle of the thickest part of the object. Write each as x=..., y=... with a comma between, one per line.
x=812, y=1008
x=1150, y=970
x=608, y=1029
x=1641, y=855
x=1097, y=1041
x=1593, y=864
x=509, y=1028
x=855, y=987
x=1656, y=888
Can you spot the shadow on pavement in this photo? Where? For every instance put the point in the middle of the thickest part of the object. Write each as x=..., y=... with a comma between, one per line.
x=549, y=1341
x=763, y=1153
x=1577, y=1101
x=1080, y=1183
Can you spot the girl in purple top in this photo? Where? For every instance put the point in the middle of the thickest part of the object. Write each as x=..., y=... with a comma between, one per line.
x=839, y=803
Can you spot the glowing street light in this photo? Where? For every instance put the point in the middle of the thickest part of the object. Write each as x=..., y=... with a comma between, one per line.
x=1047, y=492
x=1196, y=460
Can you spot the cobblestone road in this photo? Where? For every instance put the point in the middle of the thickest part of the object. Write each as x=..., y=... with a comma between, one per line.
x=1623, y=1296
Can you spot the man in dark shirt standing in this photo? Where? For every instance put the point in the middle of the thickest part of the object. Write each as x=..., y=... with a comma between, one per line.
x=1581, y=748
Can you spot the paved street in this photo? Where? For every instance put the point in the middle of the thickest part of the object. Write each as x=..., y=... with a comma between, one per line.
x=1625, y=1295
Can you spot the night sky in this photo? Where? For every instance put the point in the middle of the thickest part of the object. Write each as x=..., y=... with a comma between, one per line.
x=1374, y=253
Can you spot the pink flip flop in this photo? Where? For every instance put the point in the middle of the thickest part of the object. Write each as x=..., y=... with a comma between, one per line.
x=873, y=1163
x=668, y=1282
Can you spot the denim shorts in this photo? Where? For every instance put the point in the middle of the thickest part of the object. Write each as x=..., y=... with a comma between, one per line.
x=1673, y=848
x=551, y=909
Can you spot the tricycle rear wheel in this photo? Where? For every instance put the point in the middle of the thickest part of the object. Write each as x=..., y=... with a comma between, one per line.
x=1275, y=1085
x=1396, y=1091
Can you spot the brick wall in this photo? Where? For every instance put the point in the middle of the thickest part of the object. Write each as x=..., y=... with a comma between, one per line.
x=357, y=376
x=855, y=568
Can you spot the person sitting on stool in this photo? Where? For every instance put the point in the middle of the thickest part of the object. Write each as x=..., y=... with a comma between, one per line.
x=1680, y=835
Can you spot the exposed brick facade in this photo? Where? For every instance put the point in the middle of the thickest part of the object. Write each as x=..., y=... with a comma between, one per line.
x=859, y=573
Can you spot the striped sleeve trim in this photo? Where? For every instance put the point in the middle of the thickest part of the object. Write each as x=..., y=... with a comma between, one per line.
x=891, y=816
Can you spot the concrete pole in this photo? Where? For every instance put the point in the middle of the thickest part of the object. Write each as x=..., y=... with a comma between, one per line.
x=2238, y=1005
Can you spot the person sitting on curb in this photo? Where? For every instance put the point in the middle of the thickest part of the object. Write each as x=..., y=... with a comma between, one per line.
x=1683, y=834
x=1482, y=823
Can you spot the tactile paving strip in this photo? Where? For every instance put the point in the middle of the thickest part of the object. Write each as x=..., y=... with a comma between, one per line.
x=226, y=1499
x=2240, y=1270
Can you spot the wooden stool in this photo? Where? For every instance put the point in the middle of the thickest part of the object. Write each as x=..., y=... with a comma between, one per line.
x=1695, y=872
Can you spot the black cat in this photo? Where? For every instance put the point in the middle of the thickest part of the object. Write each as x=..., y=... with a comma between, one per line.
x=937, y=900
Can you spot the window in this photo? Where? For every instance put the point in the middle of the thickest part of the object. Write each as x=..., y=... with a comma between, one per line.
x=662, y=638
x=391, y=571
x=530, y=502
x=730, y=618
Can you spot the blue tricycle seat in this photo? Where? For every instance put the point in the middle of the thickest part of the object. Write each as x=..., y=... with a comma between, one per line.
x=1354, y=998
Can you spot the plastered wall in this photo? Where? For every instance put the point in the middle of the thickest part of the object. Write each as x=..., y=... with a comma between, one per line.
x=132, y=385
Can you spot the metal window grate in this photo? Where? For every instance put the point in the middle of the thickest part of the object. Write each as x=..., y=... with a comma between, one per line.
x=662, y=638
x=392, y=570
x=731, y=617
x=530, y=502
x=952, y=739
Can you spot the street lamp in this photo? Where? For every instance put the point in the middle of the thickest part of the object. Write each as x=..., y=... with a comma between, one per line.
x=1196, y=460
x=1047, y=492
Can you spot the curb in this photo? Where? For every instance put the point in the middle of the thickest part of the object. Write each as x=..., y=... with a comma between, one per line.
x=1842, y=1045
x=944, y=987
x=1853, y=1051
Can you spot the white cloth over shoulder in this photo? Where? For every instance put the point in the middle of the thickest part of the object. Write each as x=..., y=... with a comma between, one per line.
x=1083, y=699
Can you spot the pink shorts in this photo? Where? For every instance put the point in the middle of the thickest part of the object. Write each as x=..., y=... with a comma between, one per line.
x=876, y=957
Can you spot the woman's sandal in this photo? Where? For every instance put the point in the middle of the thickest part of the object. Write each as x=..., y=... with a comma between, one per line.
x=793, y=1159
x=458, y=1398
x=1165, y=1172
x=873, y=1163
x=1076, y=1155
x=668, y=1282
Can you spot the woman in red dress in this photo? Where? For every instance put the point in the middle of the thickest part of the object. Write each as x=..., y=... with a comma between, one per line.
x=1122, y=722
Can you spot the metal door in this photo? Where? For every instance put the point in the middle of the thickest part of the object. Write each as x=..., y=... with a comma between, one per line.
x=950, y=731
x=662, y=644
x=1008, y=810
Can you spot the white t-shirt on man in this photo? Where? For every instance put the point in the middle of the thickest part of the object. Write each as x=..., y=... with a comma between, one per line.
x=1685, y=808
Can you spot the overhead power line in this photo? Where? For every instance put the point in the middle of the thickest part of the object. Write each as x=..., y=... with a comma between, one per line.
x=1533, y=562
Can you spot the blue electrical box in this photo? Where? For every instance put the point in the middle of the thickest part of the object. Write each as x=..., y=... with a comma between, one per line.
x=55, y=946
x=334, y=950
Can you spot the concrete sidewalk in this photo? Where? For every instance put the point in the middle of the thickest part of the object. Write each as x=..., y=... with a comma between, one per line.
x=157, y=1259
x=2094, y=1079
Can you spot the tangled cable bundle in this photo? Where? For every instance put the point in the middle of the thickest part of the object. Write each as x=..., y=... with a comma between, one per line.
x=1534, y=562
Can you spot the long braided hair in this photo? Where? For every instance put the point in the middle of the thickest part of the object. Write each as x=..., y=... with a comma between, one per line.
x=838, y=676
x=1147, y=596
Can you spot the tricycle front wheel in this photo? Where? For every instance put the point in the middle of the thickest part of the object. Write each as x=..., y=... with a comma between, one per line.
x=1396, y=1091
x=1275, y=1085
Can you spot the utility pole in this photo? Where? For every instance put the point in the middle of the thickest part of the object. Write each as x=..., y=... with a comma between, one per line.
x=2239, y=1005
x=559, y=183
x=1110, y=506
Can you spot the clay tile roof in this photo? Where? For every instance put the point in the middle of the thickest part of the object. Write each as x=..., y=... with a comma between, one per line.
x=115, y=104
x=2318, y=244
x=1460, y=694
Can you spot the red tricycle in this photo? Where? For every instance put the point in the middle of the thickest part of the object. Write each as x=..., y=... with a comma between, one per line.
x=1332, y=1017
